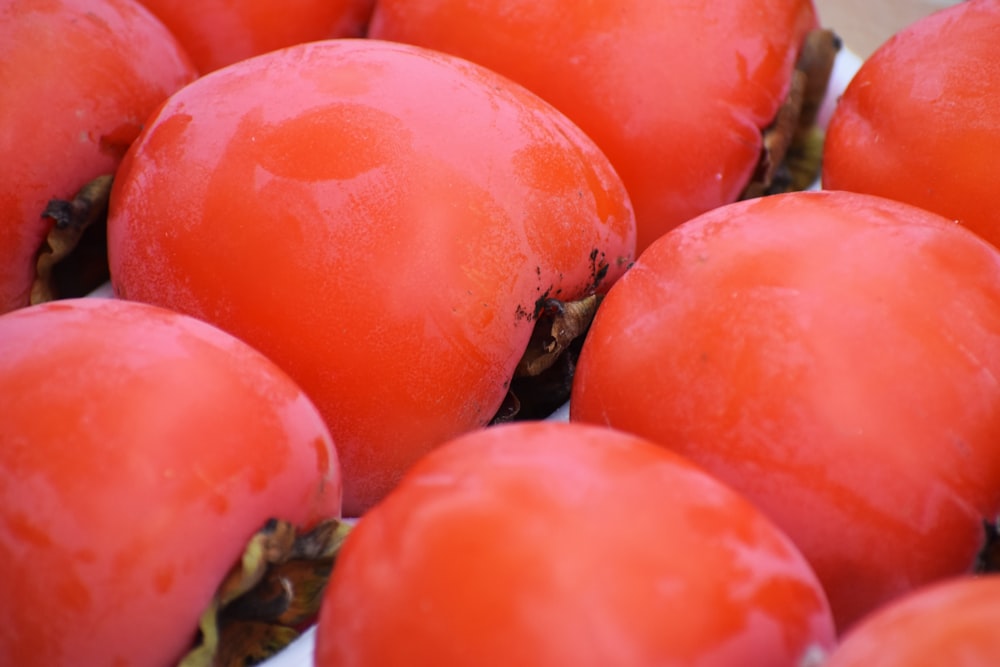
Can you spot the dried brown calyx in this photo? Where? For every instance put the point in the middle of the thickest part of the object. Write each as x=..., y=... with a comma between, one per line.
x=544, y=376
x=269, y=596
x=73, y=258
x=792, y=146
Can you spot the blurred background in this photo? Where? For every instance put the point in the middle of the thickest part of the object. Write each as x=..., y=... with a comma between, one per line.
x=865, y=24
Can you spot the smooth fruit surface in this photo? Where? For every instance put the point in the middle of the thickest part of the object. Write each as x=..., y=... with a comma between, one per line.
x=952, y=623
x=675, y=93
x=217, y=33
x=834, y=357
x=79, y=78
x=381, y=220
x=920, y=121
x=140, y=450
x=546, y=544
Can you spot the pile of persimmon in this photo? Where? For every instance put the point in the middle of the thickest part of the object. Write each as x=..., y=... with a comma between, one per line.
x=337, y=245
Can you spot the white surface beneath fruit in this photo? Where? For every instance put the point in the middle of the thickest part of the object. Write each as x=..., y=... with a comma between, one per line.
x=298, y=654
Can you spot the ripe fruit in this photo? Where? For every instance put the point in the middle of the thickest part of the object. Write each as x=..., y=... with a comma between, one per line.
x=675, y=93
x=383, y=221
x=952, y=623
x=140, y=450
x=834, y=357
x=920, y=121
x=547, y=544
x=221, y=32
x=79, y=79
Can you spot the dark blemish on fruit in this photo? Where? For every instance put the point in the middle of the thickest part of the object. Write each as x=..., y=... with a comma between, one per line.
x=598, y=269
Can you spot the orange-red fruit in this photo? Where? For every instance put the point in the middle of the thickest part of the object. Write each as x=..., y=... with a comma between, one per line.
x=835, y=357
x=381, y=220
x=77, y=80
x=675, y=93
x=953, y=623
x=217, y=33
x=920, y=121
x=545, y=544
x=140, y=450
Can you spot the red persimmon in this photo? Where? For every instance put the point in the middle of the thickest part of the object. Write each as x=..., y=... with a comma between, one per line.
x=833, y=356
x=217, y=33
x=544, y=544
x=77, y=80
x=381, y=220
x=140, y=450
x=920, y=121
x=675, y=93
x=952, y=623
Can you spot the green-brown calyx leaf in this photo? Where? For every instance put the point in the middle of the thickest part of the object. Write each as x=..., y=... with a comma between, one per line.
x=73, y=260
x=268, y=596
x=792, y=144
x=544, y=375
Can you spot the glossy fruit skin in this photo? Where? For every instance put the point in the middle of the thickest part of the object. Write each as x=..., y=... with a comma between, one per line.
x=77, y=80
x=951, y=623
x=920, y=121
x=544, y=544
x=380, y=220
x=831, y=355
x=675, y=93
x=217, y=33
x=140, y=450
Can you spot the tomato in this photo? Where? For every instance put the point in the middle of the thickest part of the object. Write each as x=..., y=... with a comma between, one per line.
x=78, y=79
x=140, y=450
x=675, y=93
x=381, y=220
x=951, y=623
x=833, y=356
x=220, y=32
x=543, y=543
x=920, y=121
